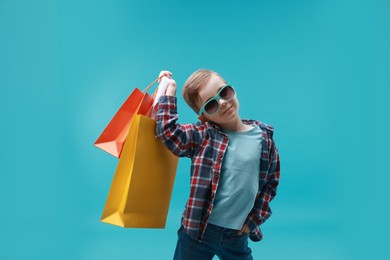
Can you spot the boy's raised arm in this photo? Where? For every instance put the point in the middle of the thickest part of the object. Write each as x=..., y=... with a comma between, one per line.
x=181, y=139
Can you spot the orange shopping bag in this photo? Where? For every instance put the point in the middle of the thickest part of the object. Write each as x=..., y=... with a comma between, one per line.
x=114, y=135
x=141, y=190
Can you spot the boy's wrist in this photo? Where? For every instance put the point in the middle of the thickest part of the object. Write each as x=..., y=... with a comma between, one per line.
x=171, y=88
x=170, y=92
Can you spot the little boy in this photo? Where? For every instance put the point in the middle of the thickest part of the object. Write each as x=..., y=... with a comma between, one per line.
x=234, y=171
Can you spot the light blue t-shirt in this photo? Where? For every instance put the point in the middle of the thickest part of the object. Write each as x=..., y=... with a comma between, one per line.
x=239, y=180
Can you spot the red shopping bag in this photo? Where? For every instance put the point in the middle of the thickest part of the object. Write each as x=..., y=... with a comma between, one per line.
x=114, y=135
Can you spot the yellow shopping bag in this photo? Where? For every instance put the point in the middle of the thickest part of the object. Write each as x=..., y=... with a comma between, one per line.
x=142, y=186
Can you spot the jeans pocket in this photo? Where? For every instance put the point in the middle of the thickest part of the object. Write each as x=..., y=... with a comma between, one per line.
x=184, y=235
x=242, y=236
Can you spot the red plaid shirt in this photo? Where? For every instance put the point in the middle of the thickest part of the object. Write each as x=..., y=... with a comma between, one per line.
x=206, y=145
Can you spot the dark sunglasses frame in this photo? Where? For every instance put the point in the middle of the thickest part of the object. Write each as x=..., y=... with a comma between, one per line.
x=216, y=99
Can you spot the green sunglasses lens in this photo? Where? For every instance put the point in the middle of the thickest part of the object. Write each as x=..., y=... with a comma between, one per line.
x=227, y=92
x=211, y=107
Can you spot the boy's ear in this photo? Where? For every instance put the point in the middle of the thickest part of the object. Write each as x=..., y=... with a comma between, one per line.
x=202, y=118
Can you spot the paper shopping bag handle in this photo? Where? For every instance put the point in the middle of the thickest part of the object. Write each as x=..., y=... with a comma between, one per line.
x=151, y=84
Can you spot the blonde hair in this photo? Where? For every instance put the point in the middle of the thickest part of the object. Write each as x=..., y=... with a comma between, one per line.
x=194, y=83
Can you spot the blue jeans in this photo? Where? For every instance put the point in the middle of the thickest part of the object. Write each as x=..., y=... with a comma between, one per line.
x=223, y=242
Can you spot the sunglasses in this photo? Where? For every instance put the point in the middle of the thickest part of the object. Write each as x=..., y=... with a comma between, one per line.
x=212, y=105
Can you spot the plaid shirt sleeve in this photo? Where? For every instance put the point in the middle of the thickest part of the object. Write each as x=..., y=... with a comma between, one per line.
x=261, y=210
x=181, y=139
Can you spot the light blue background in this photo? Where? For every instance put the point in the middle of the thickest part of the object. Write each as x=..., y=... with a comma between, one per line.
x=318, y=71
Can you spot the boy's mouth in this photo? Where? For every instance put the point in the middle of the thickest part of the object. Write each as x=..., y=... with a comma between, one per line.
x=227, y=110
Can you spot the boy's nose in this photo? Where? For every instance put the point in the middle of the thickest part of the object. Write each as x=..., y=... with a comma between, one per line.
x=222, y=103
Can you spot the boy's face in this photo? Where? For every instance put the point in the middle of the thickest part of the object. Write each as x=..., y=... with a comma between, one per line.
x=228, y=109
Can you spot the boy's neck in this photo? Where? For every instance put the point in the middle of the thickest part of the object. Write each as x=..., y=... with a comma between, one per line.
x=236, y=126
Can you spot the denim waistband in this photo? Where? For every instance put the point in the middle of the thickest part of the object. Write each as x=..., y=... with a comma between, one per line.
x=221, y=229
